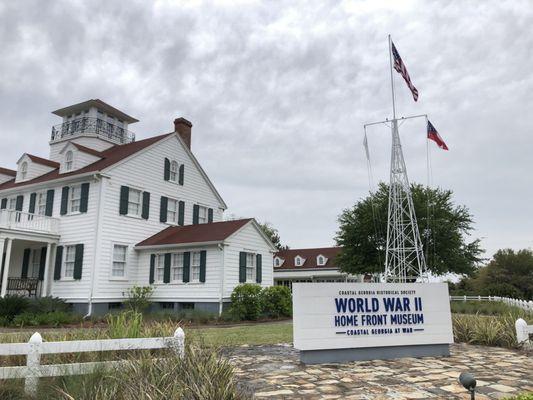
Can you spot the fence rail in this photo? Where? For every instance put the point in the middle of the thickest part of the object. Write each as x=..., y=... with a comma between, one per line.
x=523, y=304
x=33, y=370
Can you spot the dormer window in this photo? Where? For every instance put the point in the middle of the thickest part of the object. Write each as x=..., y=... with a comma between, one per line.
x=277, y=262
x=174, y=171
x=23, y=170
x=298, y=261
x=320, y=260
x=69, y=160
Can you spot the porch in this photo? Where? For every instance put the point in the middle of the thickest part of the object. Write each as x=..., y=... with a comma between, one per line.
x=27, y=245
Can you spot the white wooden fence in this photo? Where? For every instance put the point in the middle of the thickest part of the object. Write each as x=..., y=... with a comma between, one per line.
x=33, y=370
x=523, y=304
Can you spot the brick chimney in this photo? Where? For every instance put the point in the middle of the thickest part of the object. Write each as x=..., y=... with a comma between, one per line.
x=183, y=127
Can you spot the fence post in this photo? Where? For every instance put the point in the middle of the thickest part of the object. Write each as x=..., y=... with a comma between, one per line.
x=33, y=362
x=179, y=342
x=464, y=297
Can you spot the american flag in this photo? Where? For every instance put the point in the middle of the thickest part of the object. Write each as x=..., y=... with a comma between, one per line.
x=400, y=67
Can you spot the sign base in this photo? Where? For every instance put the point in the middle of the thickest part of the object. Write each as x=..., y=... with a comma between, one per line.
x=373, y=353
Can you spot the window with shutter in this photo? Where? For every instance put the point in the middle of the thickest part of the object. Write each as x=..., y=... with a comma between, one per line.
x=58, y=263
x=49, y=203
x=146, y=206
x=242, y=267
x=181, y=174
x=181, y=213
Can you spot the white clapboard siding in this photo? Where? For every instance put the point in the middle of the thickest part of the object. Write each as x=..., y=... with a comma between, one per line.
x=80, y=158
x=87, y=141
x=145, y=171
x=247, y=239
x=191, y=291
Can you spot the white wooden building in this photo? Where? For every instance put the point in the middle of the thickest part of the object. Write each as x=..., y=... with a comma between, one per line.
x=310, y=265
x=105, y=212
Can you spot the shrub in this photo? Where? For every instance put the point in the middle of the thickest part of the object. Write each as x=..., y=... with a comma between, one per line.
x=185, y=316
x=502, y=289
x=246, y=301
x=276, y=301
x=127, y=324
x=48, y=304
x=12, y=305
x=139, y=298
x=55, y=318
x=486, y=308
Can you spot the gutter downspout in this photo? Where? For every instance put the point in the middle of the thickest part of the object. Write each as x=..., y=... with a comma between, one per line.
x=99, y=216
x=221, y=301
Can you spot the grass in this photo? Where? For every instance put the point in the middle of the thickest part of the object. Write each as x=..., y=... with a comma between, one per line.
x=486, y=308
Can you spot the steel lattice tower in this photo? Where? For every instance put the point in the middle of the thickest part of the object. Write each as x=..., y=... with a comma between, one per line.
x=404, y=257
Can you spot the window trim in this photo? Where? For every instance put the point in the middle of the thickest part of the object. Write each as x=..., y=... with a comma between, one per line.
x=192, y=267
x=41, y=196
x=173, y=221
x=173, y=172
x=71, y=198
x=178, y=266
x=253, y=267
x=69, y=163
x=24, y=170
x=112, y=262
x=200, y=207
x=64, y=262
x=159, y=266
x=140, y=204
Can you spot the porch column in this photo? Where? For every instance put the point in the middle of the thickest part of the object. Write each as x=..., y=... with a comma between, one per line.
x=2, y=246
x=6, y=267
x=44, y=289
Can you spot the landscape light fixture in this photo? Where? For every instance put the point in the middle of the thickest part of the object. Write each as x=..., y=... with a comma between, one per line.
x=469, y=382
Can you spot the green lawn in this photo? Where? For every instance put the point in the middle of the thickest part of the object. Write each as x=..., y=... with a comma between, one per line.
x=264, y=333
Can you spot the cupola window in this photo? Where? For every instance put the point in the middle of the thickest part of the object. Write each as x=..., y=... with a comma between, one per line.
x=69, y=160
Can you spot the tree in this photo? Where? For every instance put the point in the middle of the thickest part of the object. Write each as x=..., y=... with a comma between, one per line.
x=508, y=274
x=273, y=234
x=444, y=228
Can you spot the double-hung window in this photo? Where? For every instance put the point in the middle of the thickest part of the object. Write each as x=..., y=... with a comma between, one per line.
x=69, y=160
x=75, y=198
x=134, y=202
x=173, y=171
x=35, y=263
x=160, y=268
x=12, y=203
x=195, y=267
x=176, y=267
x=172, y=211
x=41, y=203
x=250, y=267
x=119, y=261
x=70, y=256
x=24, y=170
x=202, y=215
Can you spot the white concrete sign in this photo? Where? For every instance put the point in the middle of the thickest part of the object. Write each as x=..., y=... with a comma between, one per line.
x=359, y=315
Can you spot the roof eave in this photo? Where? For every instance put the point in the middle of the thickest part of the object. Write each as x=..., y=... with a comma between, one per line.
x=177, y=245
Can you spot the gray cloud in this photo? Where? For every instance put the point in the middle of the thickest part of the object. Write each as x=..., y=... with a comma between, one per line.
x=278, y=94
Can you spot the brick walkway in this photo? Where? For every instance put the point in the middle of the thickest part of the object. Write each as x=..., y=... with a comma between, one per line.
x=274, y=372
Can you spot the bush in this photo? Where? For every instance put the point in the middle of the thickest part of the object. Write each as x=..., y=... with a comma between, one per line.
x=276, y=301
x=486, y=308
x=48, y=304
x=139, y=298
x=55, y=318
x=502, y=290
x=10, y=306
x=184, y=316
x=246, y=301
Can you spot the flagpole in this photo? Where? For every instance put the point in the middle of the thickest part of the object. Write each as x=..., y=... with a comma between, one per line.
x=392, y=80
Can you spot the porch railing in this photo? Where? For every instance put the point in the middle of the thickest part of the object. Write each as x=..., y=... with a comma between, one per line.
x=11, y=219
x=30, y=287
x=93, y=126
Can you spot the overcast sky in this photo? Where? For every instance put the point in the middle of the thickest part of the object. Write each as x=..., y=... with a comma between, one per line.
x=278, y=94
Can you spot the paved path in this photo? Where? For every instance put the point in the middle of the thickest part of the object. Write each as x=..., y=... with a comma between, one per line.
x=274, y=372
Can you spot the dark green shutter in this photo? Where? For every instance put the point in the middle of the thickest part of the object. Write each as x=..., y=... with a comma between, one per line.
x=163, y=209
x=166, y=174
x=195, y=214
x=124, y=198
x=84, y=200
x=49, y=203
x=210, y=215
x=42, y=263
x=152, y=268
x=203, y=256
x=18, y=204
x=25, y=263
x=186, y=266
x=181, y=174
x=31, y=208
x=242, y=267
x=78, y=261
x=181, y=213
x=64, y=200
x=59, y=261
x=146, y=205
x=3, y=204
x=166, y=270
x=258, y=268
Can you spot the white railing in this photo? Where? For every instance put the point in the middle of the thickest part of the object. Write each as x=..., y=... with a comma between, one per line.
x=523, y=304
x=523, y=330
x=11, y=219
x=33, y=370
